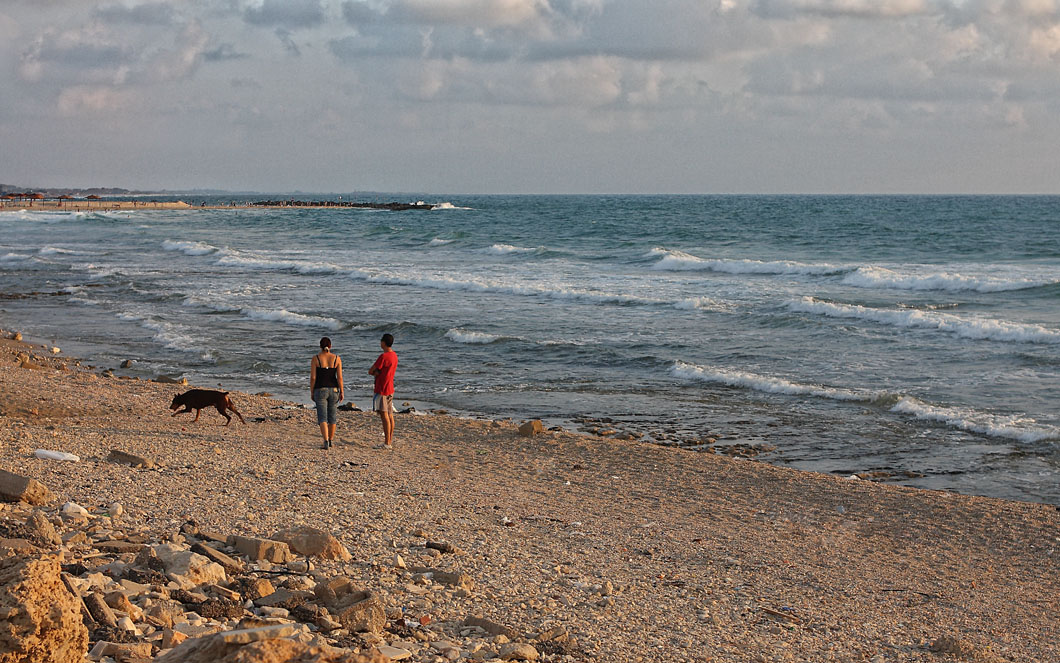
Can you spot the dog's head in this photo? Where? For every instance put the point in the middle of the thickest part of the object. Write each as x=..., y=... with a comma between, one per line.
x=178, y=401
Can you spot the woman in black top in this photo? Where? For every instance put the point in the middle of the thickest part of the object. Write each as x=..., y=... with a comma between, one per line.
x=325, y=387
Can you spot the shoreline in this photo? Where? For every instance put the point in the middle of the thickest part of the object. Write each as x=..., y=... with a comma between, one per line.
x=104, y=205
x=709, y=558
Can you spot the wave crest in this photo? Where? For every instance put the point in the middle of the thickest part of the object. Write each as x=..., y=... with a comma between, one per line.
x=881, y=277
x=679, y=261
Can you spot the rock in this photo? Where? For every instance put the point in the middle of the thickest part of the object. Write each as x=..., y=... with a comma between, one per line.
x=257, y=549
x=74, y=511
x=230, y=564
x=42, y=530
x=531, y=428
x=395, y=653
x=455, y=579
x=489, y=627
x=17, y=488
x=118, y=547
x=284, y=598
x=99, y=610
x=124, y=458
x=360, y=610
x=211, y=648
x=165, y=379
x=17, y=336
x=518, y=651
x=120, y=650
x=115, y=510
x=128, y=363
x=41, y=617
x=310, y=541
x=193, y=566
x=253, y=588
x=443, y=546
x=399, y=562
x=18, y=546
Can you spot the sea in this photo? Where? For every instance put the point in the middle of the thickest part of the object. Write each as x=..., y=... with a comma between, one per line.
x=906, y=339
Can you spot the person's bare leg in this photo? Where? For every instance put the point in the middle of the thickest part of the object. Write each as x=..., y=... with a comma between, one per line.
x=331, y=432
x=388, y=427
x=324, y=432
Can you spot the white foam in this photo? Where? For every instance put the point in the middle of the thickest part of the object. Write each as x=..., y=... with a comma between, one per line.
x=53, y=250
x=492, y=287
x=881, y=277
x=1013, y=427
x=438, y=241
x=290, y=318
x=189, y=248
x=508, y=249
x=679, y=261
x=769, y=385
x=695, y=303
x=971, y=328
x=446, y=206
x=14, y=257
x=232, y=259
x=472, y=337
x=170, y=335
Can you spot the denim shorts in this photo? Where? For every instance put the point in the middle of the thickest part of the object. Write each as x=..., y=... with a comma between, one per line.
x=326, y=398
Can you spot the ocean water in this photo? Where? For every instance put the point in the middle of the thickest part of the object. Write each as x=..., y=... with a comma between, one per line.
x=917, y=337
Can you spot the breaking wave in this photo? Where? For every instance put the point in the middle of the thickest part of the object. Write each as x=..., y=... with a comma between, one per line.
x=679, y=261
x=1023, y=429
x=189, y=248
x=472, y=337
x=881, y=277
x=976, y=329
x=290, y=318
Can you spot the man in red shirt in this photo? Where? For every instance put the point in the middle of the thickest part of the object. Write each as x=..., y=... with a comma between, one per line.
x=383, y=401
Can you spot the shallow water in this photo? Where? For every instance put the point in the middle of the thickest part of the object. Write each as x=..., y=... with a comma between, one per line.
x=915, y=335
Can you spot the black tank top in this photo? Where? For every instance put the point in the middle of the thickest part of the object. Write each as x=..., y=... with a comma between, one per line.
x=326, y=377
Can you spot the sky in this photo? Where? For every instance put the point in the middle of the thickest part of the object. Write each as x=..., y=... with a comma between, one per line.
x=533, y=96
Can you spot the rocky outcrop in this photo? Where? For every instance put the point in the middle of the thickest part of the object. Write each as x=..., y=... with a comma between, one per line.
x=17, y=488
x=40, y=619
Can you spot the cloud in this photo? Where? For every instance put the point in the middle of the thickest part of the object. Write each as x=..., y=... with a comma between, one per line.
x=151, y=13
x=891, y=9
x=223, y=52
x=286, y=14
x=82, y=99
x=284, y=35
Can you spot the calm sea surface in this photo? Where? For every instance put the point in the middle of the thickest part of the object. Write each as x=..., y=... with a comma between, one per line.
x=915, y=336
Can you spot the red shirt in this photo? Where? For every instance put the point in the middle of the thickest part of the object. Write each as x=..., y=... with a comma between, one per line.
x=386, y=364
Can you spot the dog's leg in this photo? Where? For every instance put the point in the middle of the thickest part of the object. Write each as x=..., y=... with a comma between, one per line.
x=228, y=404
x=197, y=413
x=186, y=409
x=221, y=408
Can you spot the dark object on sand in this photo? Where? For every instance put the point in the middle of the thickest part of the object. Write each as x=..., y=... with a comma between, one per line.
x=197, y=399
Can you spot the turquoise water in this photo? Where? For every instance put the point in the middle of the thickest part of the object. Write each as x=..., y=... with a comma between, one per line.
x=916, y=336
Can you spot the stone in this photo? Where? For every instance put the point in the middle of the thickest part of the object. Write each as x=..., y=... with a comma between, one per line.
x=331, y=590
x=253, y=588
x=42, y=530
x=228, y=563
x=284, y=598
x=41, y=617
x=395, y=653
x=489, y=627
x=120, y=650
x=18, y=546
x=964, y=650
x=74, y=511
x=359, y=611
x=17, y=488
x=531, y=428
x=118, y=546
x=276, y=552
x=196, y=568
x=518, y=651
x=314, y=542
x=125, y=458
x=455, y=579
x=171, y=638
x=99, y=610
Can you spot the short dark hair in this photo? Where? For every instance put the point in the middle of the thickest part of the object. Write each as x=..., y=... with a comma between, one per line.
x=388, y=340
x=325, y=343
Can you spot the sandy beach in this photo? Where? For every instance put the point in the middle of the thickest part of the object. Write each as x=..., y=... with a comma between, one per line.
x=633, y=552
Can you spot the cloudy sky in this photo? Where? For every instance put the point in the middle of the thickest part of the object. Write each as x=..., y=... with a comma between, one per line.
x=533, y=96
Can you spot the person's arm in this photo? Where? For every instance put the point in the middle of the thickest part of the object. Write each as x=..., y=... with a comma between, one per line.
x=338, y=376
x=312, y=375
x=375, y=368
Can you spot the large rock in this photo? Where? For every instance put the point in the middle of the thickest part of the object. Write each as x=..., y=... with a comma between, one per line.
x=187, y=564
x=360, y=611
x=41, y=618
x=531, y=428
x=310, y=541
x=42, y=530
x=17, y=488
x=276, y=552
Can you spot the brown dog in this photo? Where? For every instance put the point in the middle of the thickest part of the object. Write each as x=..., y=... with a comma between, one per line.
x=197, y=399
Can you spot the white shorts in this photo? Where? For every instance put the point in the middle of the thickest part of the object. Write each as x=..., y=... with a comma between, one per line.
x=381, y=403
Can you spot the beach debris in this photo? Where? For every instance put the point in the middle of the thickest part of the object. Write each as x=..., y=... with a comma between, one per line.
x=276, y=552
x=444, y=546
x=310, y=541
x=42, y=618
x=74, y=511
x=531, y=428
x=17, y=488
x=48, y=454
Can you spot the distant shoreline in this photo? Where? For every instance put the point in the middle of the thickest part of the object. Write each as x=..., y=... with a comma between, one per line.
x=79, y=205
